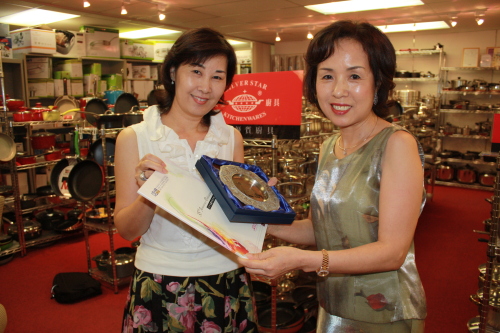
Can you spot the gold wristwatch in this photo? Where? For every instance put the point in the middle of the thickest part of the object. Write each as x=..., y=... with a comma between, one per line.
x=323, y=270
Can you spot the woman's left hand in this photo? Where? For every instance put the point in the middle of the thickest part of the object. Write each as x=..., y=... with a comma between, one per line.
x=273, y=262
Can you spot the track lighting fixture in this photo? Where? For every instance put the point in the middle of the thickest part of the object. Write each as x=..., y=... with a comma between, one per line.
x=124, y=10
x=480, y=17
x=309, y=34
x=453, y=21
x=278, y=38
x=161, y=9
x=86, y=4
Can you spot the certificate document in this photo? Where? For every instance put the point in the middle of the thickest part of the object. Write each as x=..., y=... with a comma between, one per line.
x=189, y=199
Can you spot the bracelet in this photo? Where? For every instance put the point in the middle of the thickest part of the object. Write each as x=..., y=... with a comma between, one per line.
x=323, y=270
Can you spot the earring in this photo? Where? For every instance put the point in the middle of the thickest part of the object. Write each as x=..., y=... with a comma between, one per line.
x=375, y=99
x=173, y=82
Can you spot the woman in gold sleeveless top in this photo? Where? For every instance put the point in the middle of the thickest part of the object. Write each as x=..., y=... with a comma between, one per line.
x=367, y=197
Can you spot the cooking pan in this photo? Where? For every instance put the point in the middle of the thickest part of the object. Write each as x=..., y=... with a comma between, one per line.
x=289, y=318
x=66, y=102
x=7, y=148
x=85, y=180
x=261, y=292
x=95, y=106
x=60, y=175
x=96, y=153
x=125, y=102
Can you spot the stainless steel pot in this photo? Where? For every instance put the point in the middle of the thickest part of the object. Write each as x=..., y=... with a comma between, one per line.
x=124, y=265
x=31, y=229
x=407, y=97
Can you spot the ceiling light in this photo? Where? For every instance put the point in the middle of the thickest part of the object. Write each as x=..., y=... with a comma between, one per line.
x=235, y=42
x=34, y=16
x=147, y=33
x=360, y=5
x=414, y=26
x=161, y=16
x=86, y=4
x=480, y=16
x=309, y=35
x=161, y=9
x=454, y=21
x=278, y=38
x=479, y=20
x=124, y=10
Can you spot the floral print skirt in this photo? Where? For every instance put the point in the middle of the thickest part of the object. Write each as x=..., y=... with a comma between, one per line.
x=210, y=304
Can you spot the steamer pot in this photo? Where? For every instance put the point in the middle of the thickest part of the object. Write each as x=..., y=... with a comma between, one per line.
x=407, y=97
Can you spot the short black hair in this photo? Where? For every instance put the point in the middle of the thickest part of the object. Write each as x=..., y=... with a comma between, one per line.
x=378, y=48
x=195, y=46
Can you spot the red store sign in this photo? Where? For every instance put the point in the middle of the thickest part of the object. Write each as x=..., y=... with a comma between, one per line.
x=272, y=100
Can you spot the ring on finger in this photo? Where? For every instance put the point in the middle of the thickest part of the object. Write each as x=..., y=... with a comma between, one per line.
x=143, y=177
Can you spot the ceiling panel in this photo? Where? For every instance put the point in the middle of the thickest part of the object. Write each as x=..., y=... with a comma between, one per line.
x=255, y=20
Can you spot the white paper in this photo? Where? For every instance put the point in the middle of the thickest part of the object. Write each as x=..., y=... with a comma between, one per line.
x=189, y=199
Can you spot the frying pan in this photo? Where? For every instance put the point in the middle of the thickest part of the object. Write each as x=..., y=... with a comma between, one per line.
x=97, y=106
x=96, y=152
x=289, y=318
x=7, y=148
x=66, y=102
x=85, y=180
x=59, y=177
x=125, y=102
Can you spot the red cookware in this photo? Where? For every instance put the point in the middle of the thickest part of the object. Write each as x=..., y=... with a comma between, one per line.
x=13, y=104
x=22, y=116
x=26, y=159
x=43, y=140
x=53, y=155
x=37, y=111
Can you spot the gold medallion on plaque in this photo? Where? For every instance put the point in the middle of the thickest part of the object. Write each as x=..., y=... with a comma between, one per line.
x=249, y=188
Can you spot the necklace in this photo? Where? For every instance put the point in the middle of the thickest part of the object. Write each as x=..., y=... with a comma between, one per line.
x=344, y=150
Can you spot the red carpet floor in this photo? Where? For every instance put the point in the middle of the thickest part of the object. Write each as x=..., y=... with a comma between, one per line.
x=447, y=251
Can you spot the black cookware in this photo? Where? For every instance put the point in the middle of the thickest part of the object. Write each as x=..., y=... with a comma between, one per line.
x=50, y=219
x=289, y=318
x=32, y=230
x=85, y=180
x=125, y=102
x=96, y=150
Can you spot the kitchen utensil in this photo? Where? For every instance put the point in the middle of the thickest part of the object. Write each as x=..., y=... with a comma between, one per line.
x=22, y=116
x=66, y=102
x=125, y=102
x=96, y=151
x=43, y=140
x=85, y=180
x=94, y=106
x=51, y=115
x=466, y=174
x=7, y=148
x=50, y=219
x=53, y=154
x=124, y=265
x=60, y=175
x=31, y=230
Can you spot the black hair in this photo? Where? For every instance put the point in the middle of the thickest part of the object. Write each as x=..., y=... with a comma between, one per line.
x=194, y=46
x=378, y=48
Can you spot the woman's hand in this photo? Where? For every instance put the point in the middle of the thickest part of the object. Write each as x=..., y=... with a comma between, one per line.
x=273, y=262
x=146, y=166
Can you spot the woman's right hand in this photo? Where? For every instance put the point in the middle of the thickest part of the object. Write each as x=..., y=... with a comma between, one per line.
x=146, y=166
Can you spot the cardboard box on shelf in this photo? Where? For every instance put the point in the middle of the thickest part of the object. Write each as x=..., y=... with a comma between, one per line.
x=154, y=72
x=137, y=49
x=142, y=88
x=70, y=44
x=29, y=40
x=6, y=47
x=114, y=81
x=77, y=88
x=90, y=84
x=61, y=75
x=129, y=71
x=39, y=67
x=22, y=178
x=161, y=49
x=141, y=72
x=41, y=87
x=94, y=68
x=101, y=42
x=72, y=66
x=59, y=87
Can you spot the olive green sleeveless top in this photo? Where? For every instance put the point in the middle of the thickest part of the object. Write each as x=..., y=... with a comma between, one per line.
x=345, y=210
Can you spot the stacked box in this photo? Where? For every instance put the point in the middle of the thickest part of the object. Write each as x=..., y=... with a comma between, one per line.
x=6, y=47
x=41, y=87
x=101, y=42
x=70, y=44
x=137, y=49
x=161, y=49
x=141, y=72
x=72, y=66
x=114, y=81
x=29, y=40
x=39, y=67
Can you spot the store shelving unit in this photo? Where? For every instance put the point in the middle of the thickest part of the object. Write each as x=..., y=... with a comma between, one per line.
x=461, y=117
